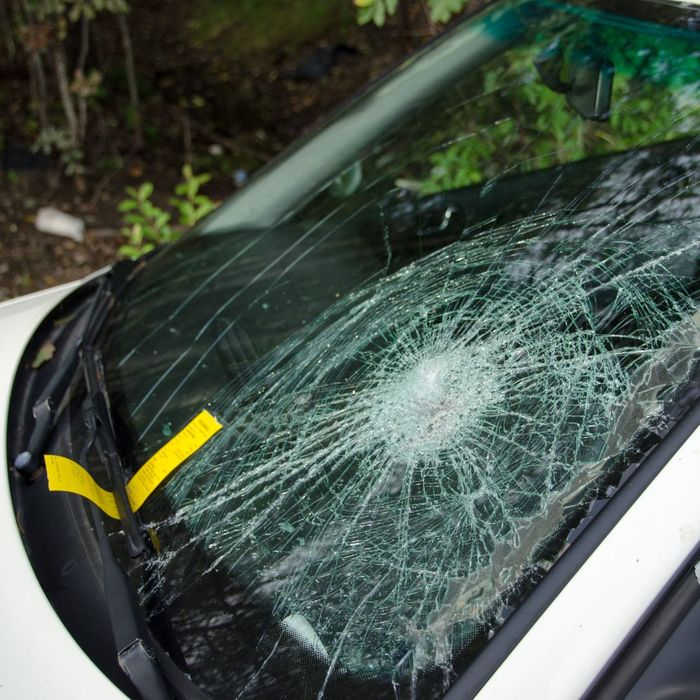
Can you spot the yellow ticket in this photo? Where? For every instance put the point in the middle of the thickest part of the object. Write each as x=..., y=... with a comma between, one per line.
x=169, y=457
x=66, y=475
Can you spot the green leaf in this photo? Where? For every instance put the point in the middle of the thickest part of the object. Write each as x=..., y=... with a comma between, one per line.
x=136, y=234
x=145, y=191
x=204, y=209
x=442, y=10
x=365, y=15
x=133, y=218
x=188, y=214
x=129, y=251
x=379, y=13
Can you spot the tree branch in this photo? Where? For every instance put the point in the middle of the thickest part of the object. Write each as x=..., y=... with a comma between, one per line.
x=131, y=79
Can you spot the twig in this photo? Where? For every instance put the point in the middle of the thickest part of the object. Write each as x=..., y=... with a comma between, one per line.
x=431, y=25
x=84, y=44
x=187, y=136
x=131, y=79
x=38, y=87
x=80, y=73
x=61, y=67
x=7, y=34
x=106, y=179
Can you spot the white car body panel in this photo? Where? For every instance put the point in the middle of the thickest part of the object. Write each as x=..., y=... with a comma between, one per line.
x=40, y=659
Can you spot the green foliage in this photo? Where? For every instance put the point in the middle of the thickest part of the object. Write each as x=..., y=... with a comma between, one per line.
x=378, y=10
x=55, y=37
x=520, y=125
x=245, y=28
x=661, y=60
x=442, y=10
x=59, y=141
x=375, y=10
x=73, y=10
x=147, y=225
x=190, y=205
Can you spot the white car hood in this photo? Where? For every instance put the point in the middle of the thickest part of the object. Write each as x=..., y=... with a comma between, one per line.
x=40, y=659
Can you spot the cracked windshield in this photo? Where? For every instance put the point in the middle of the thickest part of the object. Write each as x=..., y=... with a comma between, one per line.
x=436, y=334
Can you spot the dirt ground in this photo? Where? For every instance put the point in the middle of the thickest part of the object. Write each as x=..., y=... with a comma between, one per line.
x=224, y=113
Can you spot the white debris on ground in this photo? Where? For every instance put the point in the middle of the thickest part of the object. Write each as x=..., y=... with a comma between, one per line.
x=58, y=223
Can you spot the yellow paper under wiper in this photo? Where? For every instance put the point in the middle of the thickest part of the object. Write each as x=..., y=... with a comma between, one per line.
x=64, y=474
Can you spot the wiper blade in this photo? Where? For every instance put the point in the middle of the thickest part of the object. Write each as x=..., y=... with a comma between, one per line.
x=47, y=409
x=129, y=630
x=103, y=436
x=139, y=655
x=150, y=668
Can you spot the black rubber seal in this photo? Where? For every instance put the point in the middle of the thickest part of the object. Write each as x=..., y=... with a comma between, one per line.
x=634, y=656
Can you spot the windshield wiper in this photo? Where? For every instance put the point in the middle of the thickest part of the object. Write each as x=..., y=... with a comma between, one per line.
x=149, y=667
x=102, y=435
x=145, y=662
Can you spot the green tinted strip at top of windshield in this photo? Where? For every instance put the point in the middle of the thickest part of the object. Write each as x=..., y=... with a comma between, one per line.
x=661, y=54
x=629, y=24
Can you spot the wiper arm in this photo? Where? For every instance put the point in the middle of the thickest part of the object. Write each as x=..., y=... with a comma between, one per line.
x=129, y=630
x=139, y=655
x=149, y=667
x=47, y=409
x=99, y=421
x=103, y=436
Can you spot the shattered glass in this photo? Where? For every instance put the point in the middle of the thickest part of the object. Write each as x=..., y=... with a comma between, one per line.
x=426, y=372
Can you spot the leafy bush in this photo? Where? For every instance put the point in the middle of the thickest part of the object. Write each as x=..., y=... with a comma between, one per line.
x=378, y=10
x=147, y=225
x=520, y=125
x=54, y=37
x=189, y=203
